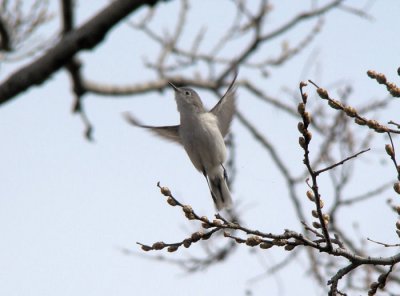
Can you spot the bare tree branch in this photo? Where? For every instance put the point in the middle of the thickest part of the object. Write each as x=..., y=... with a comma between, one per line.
x=87, y=36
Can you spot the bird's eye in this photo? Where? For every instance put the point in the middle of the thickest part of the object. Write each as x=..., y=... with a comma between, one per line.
x=187, y=93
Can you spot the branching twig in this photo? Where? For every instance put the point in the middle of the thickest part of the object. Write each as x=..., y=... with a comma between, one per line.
x=289, y=240
x=340, y=162
x=352, y=112
x=304, y=142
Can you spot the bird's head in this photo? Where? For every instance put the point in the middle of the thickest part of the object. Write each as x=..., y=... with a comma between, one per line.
x=187, y=99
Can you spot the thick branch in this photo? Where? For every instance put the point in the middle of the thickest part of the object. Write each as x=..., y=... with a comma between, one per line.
x=87, y=36
x=4, y=37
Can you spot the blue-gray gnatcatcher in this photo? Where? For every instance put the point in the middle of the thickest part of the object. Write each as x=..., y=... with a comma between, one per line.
x=202, y=135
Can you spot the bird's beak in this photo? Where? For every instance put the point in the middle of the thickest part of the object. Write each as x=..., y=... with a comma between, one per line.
x=173, y=86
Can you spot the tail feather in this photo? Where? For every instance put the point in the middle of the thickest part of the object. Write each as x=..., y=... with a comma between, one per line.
x=220, y=192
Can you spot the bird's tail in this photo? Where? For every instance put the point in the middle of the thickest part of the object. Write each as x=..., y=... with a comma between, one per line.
x=219, y=190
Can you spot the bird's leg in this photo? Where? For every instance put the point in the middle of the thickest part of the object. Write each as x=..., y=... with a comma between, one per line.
x=209, y=187
x=225, y=174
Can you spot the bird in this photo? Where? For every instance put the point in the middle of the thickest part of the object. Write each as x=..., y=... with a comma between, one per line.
x=201, y=133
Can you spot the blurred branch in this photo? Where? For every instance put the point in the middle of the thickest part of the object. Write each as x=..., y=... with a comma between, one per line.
x=86, y=37
x=18, y=24
x=74, y=66
x=4, y=37
x=366, y=195
x=260, y=94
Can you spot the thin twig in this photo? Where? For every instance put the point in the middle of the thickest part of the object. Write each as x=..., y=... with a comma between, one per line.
x=341, y=162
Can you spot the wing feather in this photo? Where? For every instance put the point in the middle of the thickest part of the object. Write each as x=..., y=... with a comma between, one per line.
x=170, y=133
x=225, y=108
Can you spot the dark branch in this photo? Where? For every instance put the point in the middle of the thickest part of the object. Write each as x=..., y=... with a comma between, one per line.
x=87, y=36
x=4, y=37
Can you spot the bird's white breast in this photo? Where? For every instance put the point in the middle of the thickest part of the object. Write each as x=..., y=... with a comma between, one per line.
x=203, y=141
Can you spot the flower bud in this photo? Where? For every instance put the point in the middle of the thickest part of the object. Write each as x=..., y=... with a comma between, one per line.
x=371, y=73
x=187, y=209
x=395, y=92
x=172, y=249
x=197, y=236
x=381, y=78
x=381, y=129
x=205, y=225
x=398, y=225
x=389, y=150
x=374, y=285
x=350, y=111
x=300, y=127
x=253, y=241
x=382, y=278
x=310, y=195
x=301, y=108
x=190, y=216
x=290, y=247
x=146, y=248
x=308, y=136
x=306, y=118
x=279, y=242
x=372, y=123
x=158, y=246
x=171, y=201
x=204, y=219
x=322, y=93
x=360, y=121
x=314, y=213
x=335, y=104
x=165, y=191
x=239, y=240
x=326, y=218
x=266, y=245
x=396, y=187
x=302, y=142
x=217, y=222
x=187, y=242
x=316, y=225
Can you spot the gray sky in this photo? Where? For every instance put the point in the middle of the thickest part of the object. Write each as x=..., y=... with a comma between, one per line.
x=67, y=206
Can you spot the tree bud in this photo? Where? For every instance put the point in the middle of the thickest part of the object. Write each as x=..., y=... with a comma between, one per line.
x=301, y=108
x=253, y=241
x=396, y=187
x=266, y=245
x=172, y=249
x=316, y=225
x=322, y=93
x=158, y=246
x=389, y=150
x=310, y=195
x=165, y=191
x=171, y=201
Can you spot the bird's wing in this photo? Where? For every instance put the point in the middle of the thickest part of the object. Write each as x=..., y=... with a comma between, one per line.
x=170, y=133
x=225, y=108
